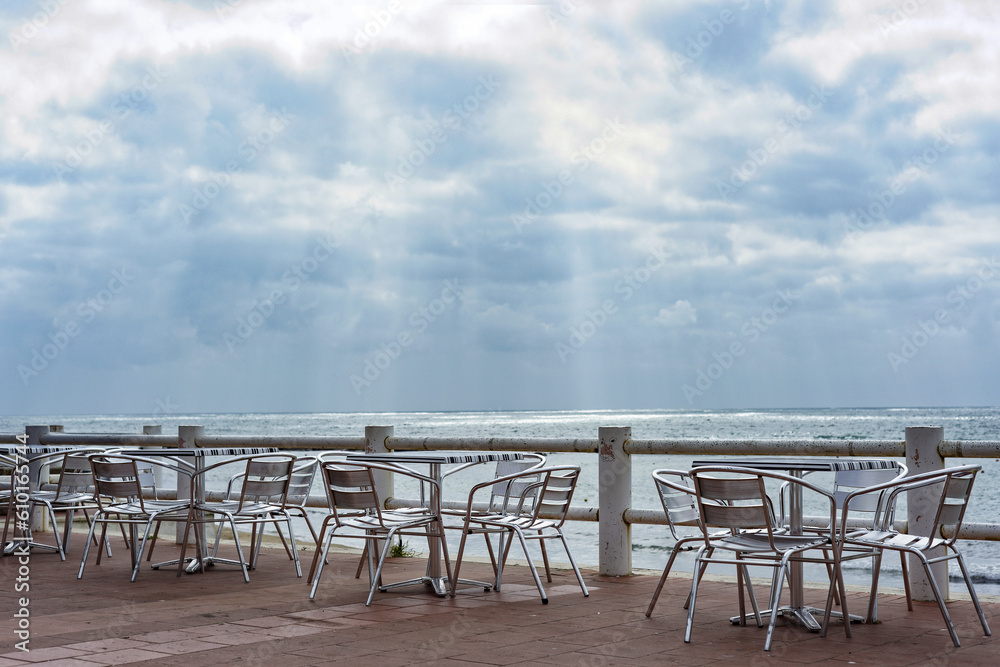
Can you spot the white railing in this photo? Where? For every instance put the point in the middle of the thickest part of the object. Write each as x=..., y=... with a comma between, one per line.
x=924, y=449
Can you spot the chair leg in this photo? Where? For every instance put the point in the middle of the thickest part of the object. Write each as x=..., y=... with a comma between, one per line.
x=319, y=549
x=318, y=560
x=378, y=571
x=137, y=561
x=531, y=564
x=906, y=580
x=86, y=550
x=699, y=569
x=239, y=548
x=444, y=553
x=489, y=548
x=663, y=579
x=776, y=585
x=972, y=593
x=458, y=562
x=572, y=562
x=937, y=596
x=545, y=559
x=291, y=539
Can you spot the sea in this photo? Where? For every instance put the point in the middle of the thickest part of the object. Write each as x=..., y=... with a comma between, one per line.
x=650, y=544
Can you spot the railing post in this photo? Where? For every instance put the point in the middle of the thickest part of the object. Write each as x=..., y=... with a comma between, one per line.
x=155, y=429
x=615, y=497
x=922, y=455
x=375, y=437
x=35, y=434
x=186, y=436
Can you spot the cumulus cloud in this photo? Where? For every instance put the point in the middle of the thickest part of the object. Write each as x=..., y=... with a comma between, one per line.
x=678, y=315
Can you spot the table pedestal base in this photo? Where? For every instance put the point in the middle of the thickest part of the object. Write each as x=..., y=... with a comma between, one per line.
x=804, y=616
x=439, y=584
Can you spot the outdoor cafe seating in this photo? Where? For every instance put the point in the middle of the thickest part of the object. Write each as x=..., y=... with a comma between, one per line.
x=357, y=511
x=538, y=514
x=126, y=496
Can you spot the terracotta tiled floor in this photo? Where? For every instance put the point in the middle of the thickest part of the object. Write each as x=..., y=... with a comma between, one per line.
x=215, y=618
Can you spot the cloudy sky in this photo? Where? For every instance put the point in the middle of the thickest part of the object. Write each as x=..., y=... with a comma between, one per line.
x=264, y=205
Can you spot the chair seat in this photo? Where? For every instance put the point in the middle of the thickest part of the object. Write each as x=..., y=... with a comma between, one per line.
x=233, y=507
x=148, y=507
x=394, y=519
x=885, y=538
x=56, y=497
x=760, y=542
x=505, y=522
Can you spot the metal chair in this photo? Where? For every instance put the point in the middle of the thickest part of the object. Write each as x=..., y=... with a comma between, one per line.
x=502, y=494
x=262, y=500
x=735, y=499
x=124, y=486
x=355, y=505
x=681, y=510
x=299, y=487
x=74, y=491
x=539, y=514
x=8, y=468
x=952, y=499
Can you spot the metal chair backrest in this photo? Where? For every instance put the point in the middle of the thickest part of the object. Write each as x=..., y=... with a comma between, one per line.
x=554, y=492
x=677, y=498
x=117, y=480
x=954, y=500
x=350, y=487
x=504, y=493
x=736, y=503
x=266, y=480
x=76, y=475
x=301, y=481
x=848, y=481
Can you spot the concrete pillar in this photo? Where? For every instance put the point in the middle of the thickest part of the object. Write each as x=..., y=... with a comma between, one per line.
x=375, y=437
x=35, y=434
x=921, y=504
x=155, y=429
x=615, y=497
x=186, y=437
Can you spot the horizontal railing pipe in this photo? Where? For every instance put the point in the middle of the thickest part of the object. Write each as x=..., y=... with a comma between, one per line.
x=969, y=449
x=583, y=445
x=696, y=447
x=294, y=442
x=109, y=439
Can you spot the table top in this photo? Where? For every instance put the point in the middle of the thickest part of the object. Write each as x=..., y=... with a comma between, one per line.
x=436, y=457
x=199, y=451
x=810, y=463
x=11, y=448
